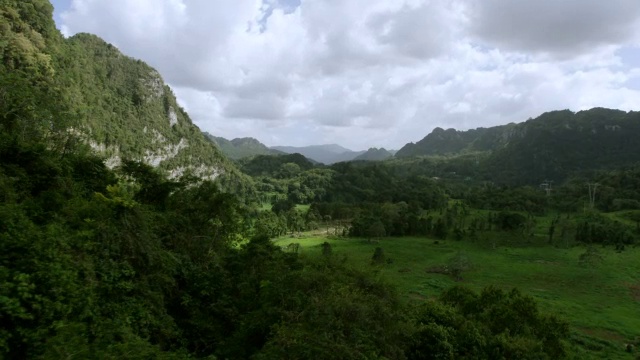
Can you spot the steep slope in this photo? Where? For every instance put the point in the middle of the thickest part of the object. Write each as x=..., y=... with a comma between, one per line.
x=127, y=110
x=326, y=154
x=374, y=154
x=240, y=148
x=451, y=141
x=560, y=143
x=552, y=146
x=28, y=38
x=117, y=105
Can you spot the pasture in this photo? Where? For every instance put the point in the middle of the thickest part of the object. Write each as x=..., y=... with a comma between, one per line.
x=600, y=298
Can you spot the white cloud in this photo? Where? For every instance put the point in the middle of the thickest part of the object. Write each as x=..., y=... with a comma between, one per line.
x=368, y=73
x=550, y=26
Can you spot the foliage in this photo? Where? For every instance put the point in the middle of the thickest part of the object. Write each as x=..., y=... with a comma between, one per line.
x=240, y=148
x=374, y=154
x=491, y=325
x=553, y=146
x=146, y=258
x=458, y=264
x=598, y=229
x=378, y=257
x=326, y=249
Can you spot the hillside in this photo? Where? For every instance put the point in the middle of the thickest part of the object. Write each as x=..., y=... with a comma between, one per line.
x=560, y=143
x=240, y=148
x=374, y=154
x=127, y=111
x=117, y=105
x=326, y=154
x=452, y=142
x=552, y=146
x=274, y=165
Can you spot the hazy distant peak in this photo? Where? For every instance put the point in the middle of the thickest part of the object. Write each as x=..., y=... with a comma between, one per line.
x=326, y=154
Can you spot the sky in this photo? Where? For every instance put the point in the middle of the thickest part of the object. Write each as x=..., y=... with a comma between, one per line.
x=364, y=73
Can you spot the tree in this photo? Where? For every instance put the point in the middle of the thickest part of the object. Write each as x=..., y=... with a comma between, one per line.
x=376, y=230
x=378, y=257
x=440, y=229
x=591, y=257
x=326, y=249
x=491, y=325
x=458, y=264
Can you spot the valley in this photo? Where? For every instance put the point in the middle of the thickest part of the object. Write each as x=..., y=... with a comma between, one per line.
x=126, y=232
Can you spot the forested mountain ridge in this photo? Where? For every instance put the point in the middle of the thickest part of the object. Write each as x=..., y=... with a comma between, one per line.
x=452, y=142
x=374, y=154
x=133, y=113
x=239, y=148
x=117, y=105
x=552, y=146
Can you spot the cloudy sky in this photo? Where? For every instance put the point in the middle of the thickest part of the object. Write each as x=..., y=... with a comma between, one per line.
x=365, y=73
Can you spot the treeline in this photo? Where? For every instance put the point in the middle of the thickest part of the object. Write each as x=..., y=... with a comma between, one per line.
x=385, y=199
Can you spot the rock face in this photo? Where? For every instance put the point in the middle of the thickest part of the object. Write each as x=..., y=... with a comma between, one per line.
x=127, y=111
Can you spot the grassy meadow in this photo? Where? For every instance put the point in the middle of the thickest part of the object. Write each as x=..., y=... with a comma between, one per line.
x=601, y=300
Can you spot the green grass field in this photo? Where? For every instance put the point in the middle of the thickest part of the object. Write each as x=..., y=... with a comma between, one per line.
x=601, y=301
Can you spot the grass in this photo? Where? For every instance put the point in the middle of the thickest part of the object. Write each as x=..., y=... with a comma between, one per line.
x=602, y=301
x=300, y=207
x=265, y=206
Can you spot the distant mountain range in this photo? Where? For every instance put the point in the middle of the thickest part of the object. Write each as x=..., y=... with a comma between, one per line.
x=241, y=148
x=326, y=154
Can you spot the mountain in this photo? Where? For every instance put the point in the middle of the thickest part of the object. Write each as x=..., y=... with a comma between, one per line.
x=560, y=143
x=326, y=154
x=117, y=105
x=552, y=146
x=128, y=111
x=275, y=165
x=241, y=147
x=452, y=142
x=375, y=154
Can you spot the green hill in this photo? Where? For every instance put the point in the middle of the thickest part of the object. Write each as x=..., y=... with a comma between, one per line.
x=451, y=141
x=374, y=154
x=117, y=105
x=275, y=165
x=240, y=148
x=126, y=110
x=552, y=146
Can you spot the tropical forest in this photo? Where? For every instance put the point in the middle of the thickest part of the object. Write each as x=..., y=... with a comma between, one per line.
x=126, y=232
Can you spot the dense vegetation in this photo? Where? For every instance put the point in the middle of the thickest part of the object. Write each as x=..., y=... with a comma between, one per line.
x=375, y=154
x=325, y=154
x=106, y=256
x=103, y=264
x=118, y=105
x=241, y=148
x=553, y=146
